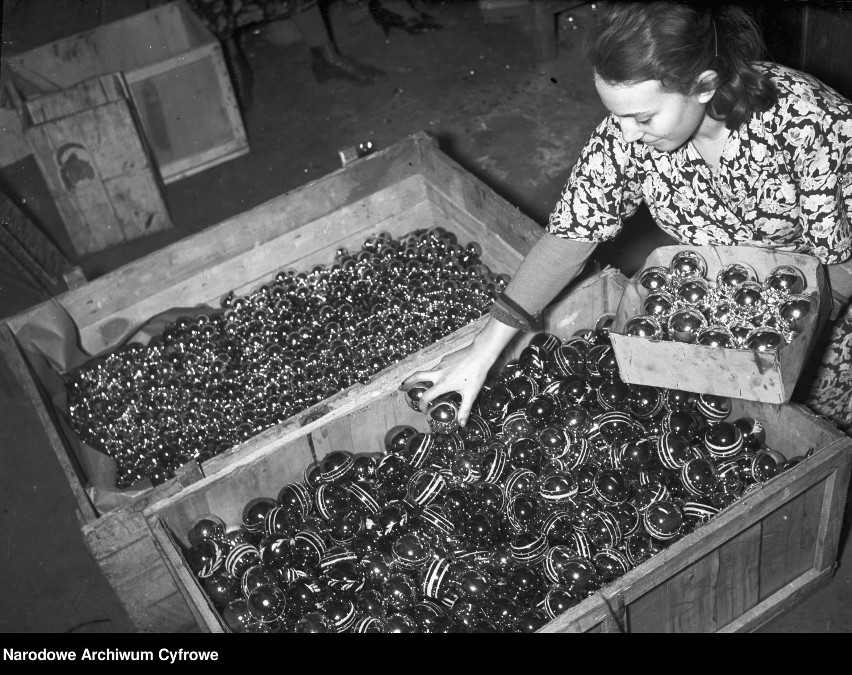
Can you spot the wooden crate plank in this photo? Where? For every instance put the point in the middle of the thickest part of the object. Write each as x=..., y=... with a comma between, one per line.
x=775, y=530
x=138, y=205
x=692, y=598
x=739, y=574
x=793, y=559
x=169, y=615
x=333, y=437
x=831, y=517
x=811, y=513
x=11, y=353
x=649, y=612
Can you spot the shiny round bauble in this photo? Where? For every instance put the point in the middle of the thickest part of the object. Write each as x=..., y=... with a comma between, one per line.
x=411, y=552
x=314, y=622
x=456, y=504
x=400, y=593
x=558, y=488
x=639, y=548
x=266, y=603
x=533, y=360
x=699, y=510
x=648, y=493
x=516, y=425
x=437, y=579
x=486, y=498
x=522, y=388
x=254, y=513
x=553, y=441
x=529, y=548
x=644, y=326
x=730, y=479
x=611, y=487
x=585, y=476
x=613, y=395
x=493, y=403
x=604, y=530
x=733, y=275
x=541, y=410
x=208, y=528
x=786, y=280
x=376, y=567
x=442, y=416
x=579, y=577
x=683, y=422
x=685, y=323
x=636, y=455
x=308, y=547
x=341, y=614
x=206, y=558
x=717, y=335
x=547, y=341
x=610, y=564
x=567, y=360
x=466, y=467
x=796, y=311
x=714, y=408
x=525, y=583
x=415, y=392
x=687, y=263
x=645, y=401
x=754, y=435
x=654, y=278
x=679, y=400
x=330, y=499
x=395, y=469
x=749, y=297
x=280, y=521
x=236, y=616
x=363, y=496
x=424, y=487
x=659, y=304
x=302, y=596
x=397, y=437
x=522, y=512
x=255, y=576
x=699, y=476
x=673, y=450
x=558, y=527
x=295, y=496
x=476, y=432
x=426, y=615
x=577, y=421
x=555, y=560
x=765, y=339
x=222, y=589
x=344, y=526
x=628, y=517
x=335, y=466
x=579, y=452
x=723, y=440
x=524, y=453
x=530, y=621
x=767, y=464
x=692, y=291
x=663, y=520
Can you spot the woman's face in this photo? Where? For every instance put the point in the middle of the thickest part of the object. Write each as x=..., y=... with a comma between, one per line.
x=649, y=115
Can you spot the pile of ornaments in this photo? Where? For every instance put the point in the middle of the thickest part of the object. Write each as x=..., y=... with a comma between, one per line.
x=563, y=479
x=736, y=312
x=210, y=382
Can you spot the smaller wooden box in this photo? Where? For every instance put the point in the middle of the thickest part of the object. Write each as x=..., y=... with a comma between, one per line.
x=769, y=377
x=176, y=76
x=88, y=146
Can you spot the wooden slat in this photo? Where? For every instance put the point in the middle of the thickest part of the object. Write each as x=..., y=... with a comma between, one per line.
x=649, y=613
x=11, y=353
x=831, y=516
x=811, y=513
x=774, y=538
x=692, y=597
x=786, y=598
x=739, y=575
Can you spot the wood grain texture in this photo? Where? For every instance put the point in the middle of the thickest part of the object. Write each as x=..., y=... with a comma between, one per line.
x=739, y=575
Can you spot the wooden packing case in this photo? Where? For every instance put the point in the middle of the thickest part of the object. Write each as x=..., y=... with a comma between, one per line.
x=751, y=562
x=409, y=186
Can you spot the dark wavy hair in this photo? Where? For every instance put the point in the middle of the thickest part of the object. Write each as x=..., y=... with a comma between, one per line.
x=674, y=42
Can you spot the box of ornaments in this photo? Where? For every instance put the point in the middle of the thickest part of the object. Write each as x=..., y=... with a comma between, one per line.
x=570, y=502
x=732, y=321
x=225, y=343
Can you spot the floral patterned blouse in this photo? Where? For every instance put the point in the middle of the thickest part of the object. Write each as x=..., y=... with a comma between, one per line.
x=784, y=180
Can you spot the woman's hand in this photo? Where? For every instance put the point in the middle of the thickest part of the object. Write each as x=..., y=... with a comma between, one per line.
x=464, y=371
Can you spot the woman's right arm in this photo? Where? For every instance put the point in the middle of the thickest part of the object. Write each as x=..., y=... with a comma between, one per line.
x=549, y=266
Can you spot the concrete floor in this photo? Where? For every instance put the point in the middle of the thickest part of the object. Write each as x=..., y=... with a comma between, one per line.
x=515, y=123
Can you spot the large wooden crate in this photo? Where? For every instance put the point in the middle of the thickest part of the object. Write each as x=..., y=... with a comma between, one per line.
x=176, y=74
x=89, y=148
x=410, y=185
x=748, y=564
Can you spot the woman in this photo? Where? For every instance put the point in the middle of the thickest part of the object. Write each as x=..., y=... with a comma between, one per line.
x=723, y=150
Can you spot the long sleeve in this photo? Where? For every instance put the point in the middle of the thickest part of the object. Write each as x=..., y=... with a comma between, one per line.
x=602, y=189
x=549, y=266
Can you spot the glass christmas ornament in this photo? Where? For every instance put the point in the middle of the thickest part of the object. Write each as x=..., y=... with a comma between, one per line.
x=692, y=291
x=716, y=335
x=749, y=298
x=733, y=275
x=786, y=280
x=414, y=392
x=684, y=324
x=266, y=603
x=645, y=326
x=699, y=476
x=314, y=622
x=754, y=434
x=767, y=464
x=610, y=564
x=795, y=312
x=659, y=304
x=208, y=528
x=400, y=593
x=442, y=416
x=764, y=339
x=714, y=408
x=663, y=520
x=688, y=263
x=206, y=558
x=654, y=278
